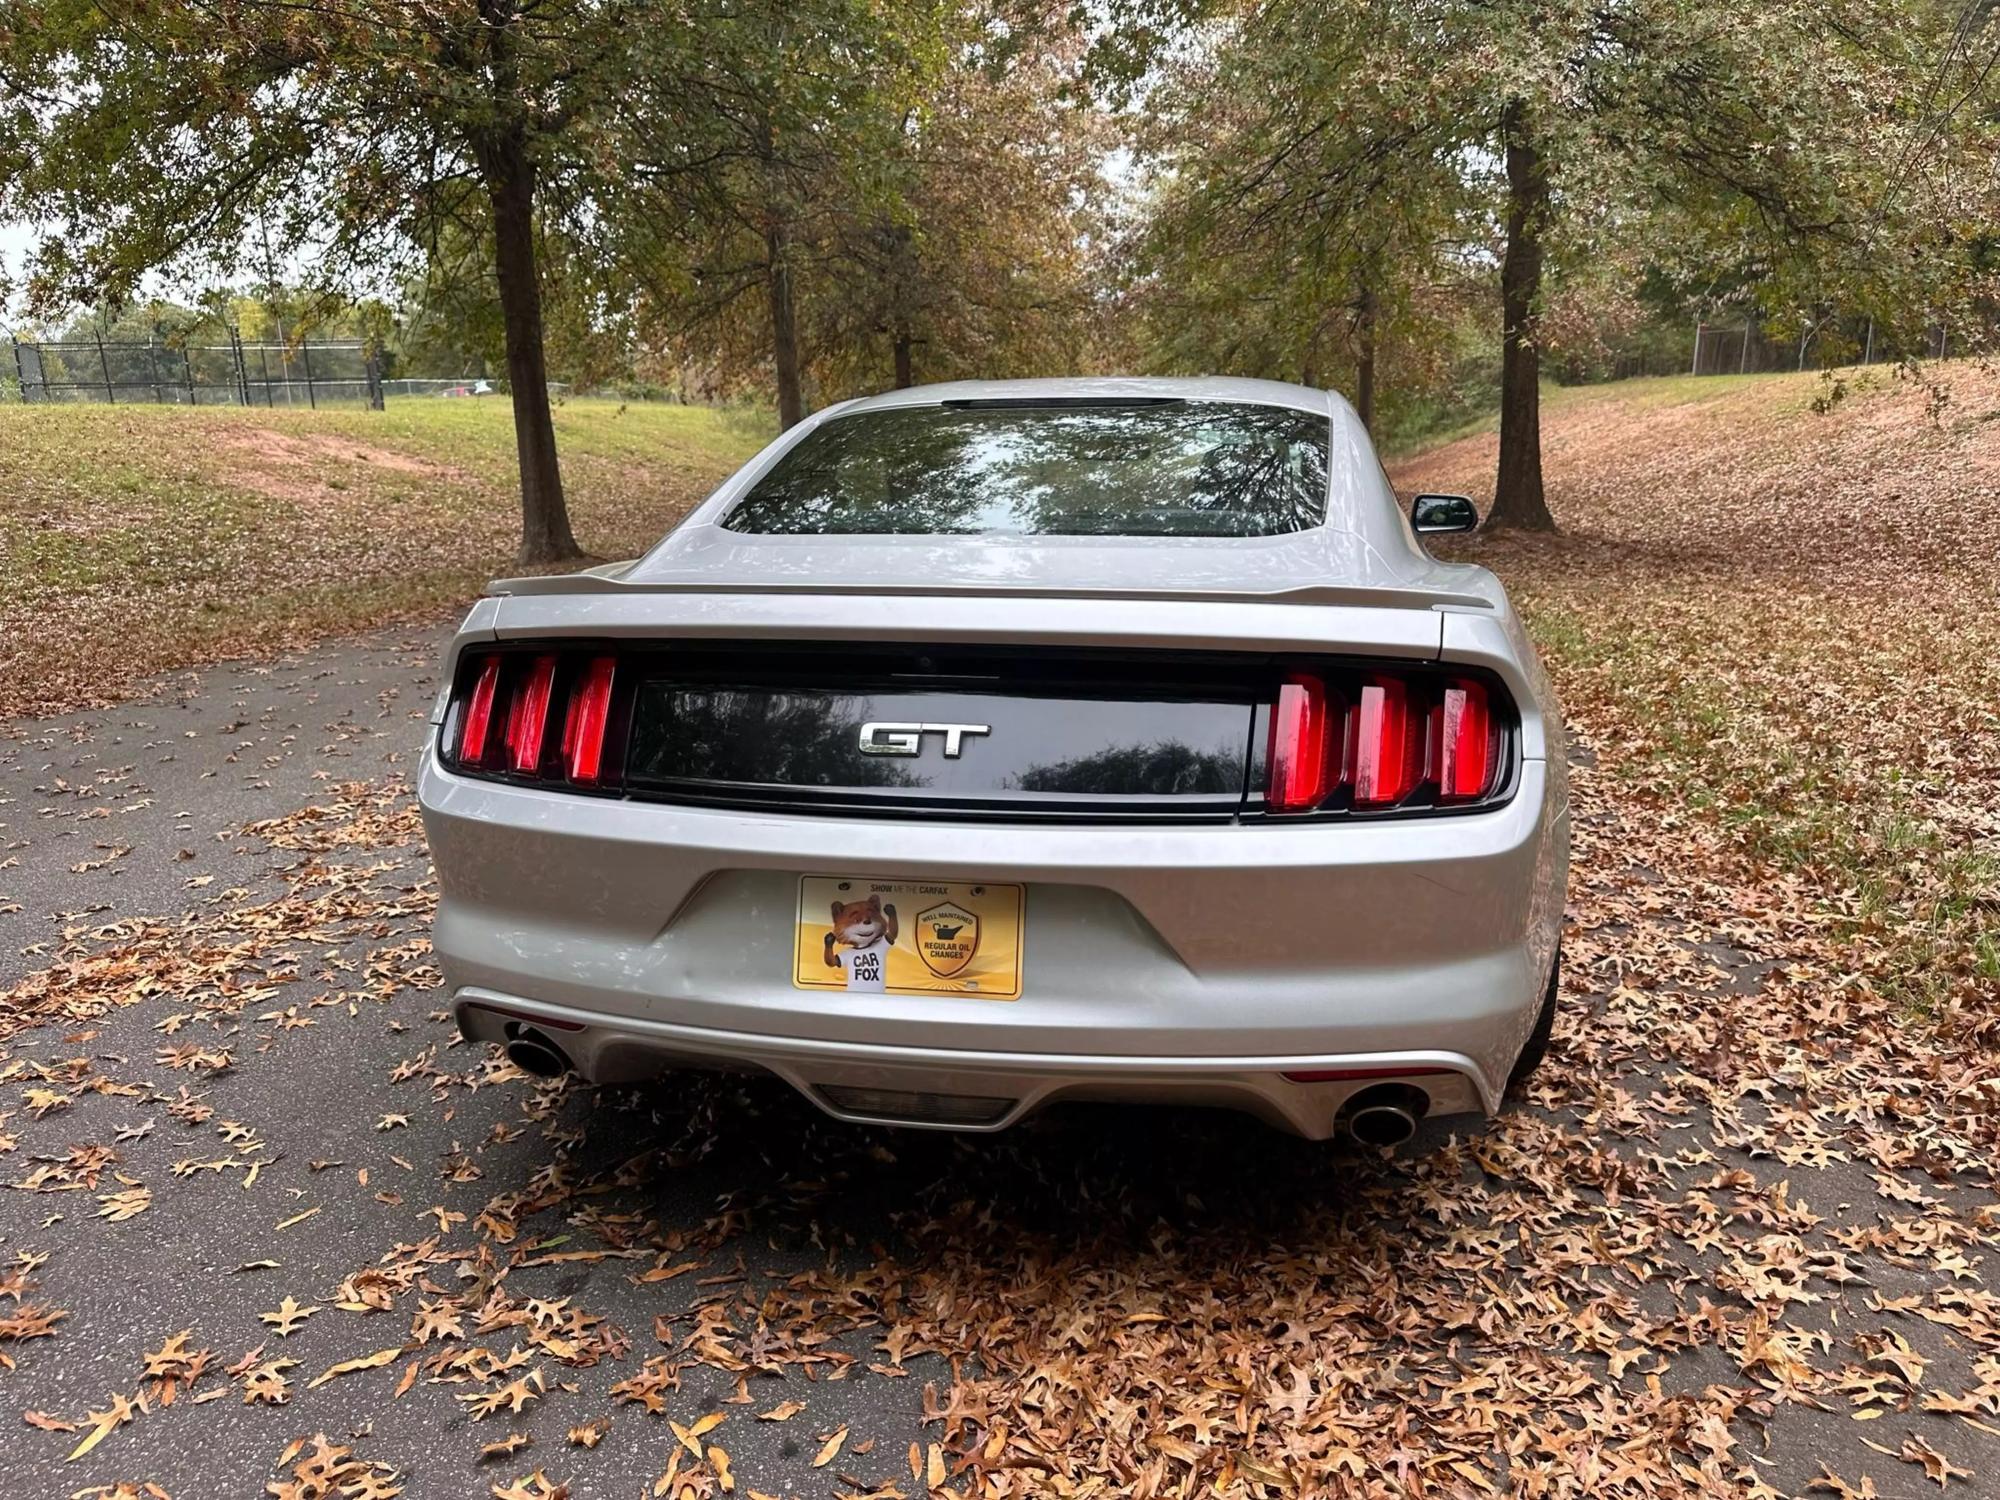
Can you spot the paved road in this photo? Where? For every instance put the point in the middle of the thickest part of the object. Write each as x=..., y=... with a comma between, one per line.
x=1645, y=1285
x=155, y=794
x=115, y=817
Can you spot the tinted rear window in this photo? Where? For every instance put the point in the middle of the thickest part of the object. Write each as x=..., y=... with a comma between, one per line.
x=1146, y=469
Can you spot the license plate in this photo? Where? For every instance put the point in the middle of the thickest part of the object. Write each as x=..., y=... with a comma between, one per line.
x=908, y=937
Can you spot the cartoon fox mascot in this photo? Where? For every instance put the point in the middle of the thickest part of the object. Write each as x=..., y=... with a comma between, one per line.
x=867, y=929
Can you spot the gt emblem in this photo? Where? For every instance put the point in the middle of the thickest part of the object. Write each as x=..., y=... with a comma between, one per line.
x=885, y=738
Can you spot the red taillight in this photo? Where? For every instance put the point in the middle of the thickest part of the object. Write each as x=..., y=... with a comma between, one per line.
x=1388, y=743
x=1385, y=739
x=1305, y=750
x=478, y=718
x=1464, y=749
x=589, y=711
x=528, y=715
x=506, y=705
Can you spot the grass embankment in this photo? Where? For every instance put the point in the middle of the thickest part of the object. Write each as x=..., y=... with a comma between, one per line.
x=139, y=539
x=1776, y=630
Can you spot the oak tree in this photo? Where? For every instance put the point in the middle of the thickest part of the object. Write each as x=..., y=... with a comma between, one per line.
x=978, y=262
x=351, y=137
x=792, y=115
x=1800, y=139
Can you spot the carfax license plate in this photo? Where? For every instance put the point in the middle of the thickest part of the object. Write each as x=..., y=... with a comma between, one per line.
x=908, y=937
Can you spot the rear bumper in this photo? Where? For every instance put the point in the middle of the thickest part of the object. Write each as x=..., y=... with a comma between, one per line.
x=1172, y=963
x=831, y=1074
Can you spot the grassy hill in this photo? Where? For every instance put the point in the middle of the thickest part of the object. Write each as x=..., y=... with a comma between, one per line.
x=1774, y=629
x=138, y=539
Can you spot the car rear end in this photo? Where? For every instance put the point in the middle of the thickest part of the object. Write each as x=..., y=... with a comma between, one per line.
x=1237, y=873
x=980, y=748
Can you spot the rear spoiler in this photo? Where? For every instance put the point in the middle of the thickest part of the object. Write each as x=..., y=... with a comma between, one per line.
x=609, y=578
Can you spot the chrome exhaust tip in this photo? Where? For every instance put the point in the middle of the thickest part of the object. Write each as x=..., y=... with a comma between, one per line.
x=1382, y=1125
x=1385, y=1115
x=537, y=1055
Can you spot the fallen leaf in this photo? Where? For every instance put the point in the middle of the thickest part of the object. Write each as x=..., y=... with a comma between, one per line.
x=829, y=1449
x=288, y=1318
x=373, y=1361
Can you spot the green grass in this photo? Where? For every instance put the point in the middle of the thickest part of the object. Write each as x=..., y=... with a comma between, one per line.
x=139, y=538
x=1642, y=393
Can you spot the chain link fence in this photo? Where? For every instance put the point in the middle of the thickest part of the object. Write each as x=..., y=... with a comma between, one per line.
x=1740, y=346
x=235, y=373
x=1745, y=349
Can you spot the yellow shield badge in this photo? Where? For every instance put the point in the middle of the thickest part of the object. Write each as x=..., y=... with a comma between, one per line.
x=947, y=937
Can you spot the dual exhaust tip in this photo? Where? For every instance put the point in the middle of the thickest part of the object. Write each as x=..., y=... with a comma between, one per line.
x=1385, y=1115
x=536, y=1055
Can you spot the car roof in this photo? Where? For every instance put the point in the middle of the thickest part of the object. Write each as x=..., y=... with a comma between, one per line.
x=1106, y=388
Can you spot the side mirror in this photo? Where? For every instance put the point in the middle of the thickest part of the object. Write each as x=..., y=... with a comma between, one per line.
x=1431, y=514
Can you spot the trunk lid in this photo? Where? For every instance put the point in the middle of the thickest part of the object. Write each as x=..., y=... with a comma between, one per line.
x=951, y=729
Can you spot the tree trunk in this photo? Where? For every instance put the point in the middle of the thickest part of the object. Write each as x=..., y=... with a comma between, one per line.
x=1364, y=374
x=1518, y=499
x=784, y=330
x=510, y=184
x=905, y=371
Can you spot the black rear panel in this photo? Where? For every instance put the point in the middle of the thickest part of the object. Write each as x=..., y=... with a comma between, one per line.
x=963, y=731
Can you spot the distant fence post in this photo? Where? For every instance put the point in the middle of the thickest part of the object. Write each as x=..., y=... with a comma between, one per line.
x=104, y=365
x=187, y=372
x=1743, y=364
x=306, y=353
x=20, y=370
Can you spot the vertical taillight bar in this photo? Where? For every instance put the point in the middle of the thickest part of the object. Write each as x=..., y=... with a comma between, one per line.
x=528, y=715
x=1395, y=736
x=1305, y=745
x=477, y=722
x=1464, y=749
x=1388, y=743
x=589, y=712
x=503, y=715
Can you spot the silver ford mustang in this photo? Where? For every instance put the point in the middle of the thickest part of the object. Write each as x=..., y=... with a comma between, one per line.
x=987, y=745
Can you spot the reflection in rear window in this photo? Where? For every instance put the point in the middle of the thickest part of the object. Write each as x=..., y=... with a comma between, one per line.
x=1169, y=468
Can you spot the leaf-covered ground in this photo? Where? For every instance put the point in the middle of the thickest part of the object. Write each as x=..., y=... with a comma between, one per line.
x=135, y=540
x=267, y=1225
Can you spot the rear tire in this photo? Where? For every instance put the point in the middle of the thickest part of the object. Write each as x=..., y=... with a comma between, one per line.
x=1537, y=1047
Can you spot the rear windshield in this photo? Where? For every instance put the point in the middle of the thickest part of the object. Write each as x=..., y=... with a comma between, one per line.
x=1170, y=468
